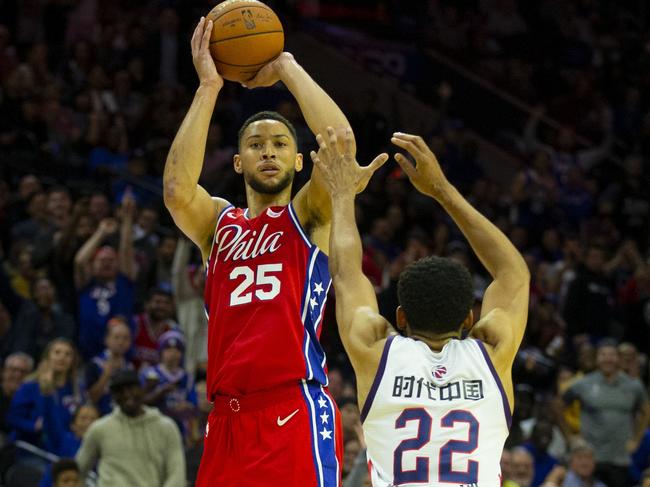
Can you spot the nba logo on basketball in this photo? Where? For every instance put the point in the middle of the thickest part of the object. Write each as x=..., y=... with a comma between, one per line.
x=248, y=19
x=440, y=371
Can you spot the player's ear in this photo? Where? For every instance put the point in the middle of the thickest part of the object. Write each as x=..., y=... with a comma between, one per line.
x=299, y=162
x=469, y=321
x=236, y=162
x=401, y=322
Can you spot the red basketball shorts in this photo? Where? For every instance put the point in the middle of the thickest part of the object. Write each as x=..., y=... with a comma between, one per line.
x=286, y=437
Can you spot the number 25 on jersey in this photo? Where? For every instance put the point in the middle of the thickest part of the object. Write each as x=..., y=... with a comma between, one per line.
x=259, y=281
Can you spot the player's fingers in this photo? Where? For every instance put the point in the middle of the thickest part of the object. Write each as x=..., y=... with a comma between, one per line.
x=333, y=141
x=405, y=136
x=377, y=162
x=317, y=161
x=205, y=40
x=349, y=138
x=407, y=145
x=196, y=37
x=321, y=144
x=406, y=165
x=416, y=139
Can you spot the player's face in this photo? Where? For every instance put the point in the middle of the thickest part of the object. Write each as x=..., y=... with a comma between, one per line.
x=268, y=157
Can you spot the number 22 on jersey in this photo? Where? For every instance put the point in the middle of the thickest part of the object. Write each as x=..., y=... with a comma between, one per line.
x=445, y=471
x=259, y=281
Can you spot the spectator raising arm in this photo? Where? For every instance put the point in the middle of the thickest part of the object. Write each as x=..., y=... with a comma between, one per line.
x=181, y=282
x=83, y=258
x=126, y=254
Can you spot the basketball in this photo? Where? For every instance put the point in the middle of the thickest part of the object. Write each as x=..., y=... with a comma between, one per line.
x=246, y=34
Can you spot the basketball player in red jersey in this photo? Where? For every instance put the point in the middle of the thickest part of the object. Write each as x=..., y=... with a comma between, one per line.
x=274, y=422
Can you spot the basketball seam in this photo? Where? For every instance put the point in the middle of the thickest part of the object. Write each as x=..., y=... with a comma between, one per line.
x=263, y=7
x=248, y=35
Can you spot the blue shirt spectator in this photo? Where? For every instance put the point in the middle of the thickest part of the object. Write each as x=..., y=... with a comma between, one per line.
x=537, y=447
x=66, y=439
x=51, y=390
x=169, y=386
x=98, y=302
x=104, y=278
x=102, y=366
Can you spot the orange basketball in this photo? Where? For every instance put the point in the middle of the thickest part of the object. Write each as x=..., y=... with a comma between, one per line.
x=246, y=34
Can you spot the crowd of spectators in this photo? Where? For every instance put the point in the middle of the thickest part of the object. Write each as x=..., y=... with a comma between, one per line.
x=95, y=279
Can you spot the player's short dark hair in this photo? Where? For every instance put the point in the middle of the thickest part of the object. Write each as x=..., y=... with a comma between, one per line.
x=63, y=465
x=267, y=115
x=436, y=294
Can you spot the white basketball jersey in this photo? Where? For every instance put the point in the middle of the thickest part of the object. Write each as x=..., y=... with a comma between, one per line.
x=435, y=418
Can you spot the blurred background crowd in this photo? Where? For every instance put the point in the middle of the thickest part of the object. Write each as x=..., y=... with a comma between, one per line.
x=95, y=278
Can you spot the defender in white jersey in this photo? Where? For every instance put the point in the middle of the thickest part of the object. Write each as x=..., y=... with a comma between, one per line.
x=436, y=408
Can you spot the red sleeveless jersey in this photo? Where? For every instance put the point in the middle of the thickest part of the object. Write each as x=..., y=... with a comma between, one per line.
x=265, y=295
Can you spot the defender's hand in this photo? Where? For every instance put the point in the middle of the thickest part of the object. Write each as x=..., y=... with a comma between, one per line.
x=426, y=175
x=201, y=57
x=270, y=74
x=341, y=172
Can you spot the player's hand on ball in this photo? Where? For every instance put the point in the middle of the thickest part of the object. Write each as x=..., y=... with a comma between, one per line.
x=270, y=73
x=426, y=175
x=341, y=172
x=203, y=62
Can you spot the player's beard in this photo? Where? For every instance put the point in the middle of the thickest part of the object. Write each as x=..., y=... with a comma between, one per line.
x=264, y=187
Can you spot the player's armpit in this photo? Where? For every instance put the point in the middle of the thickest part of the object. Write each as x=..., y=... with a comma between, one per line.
x=198, y=218
x=496, y=331
x=359, y=322
x=313, y=208
x=505, y=311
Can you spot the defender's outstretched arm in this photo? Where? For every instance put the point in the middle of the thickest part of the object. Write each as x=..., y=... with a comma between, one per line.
x=505, y=303
x=359, y=322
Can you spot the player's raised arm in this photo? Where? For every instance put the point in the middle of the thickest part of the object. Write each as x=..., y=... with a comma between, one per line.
x=320, y=112
x=191, y=207
x=360, y=325
x=505, y=303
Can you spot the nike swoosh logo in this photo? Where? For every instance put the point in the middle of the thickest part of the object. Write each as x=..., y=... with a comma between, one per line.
x=282, y=422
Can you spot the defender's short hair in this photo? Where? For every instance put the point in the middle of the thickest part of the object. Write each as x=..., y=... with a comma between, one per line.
x=436, y=294
x=267, y=115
